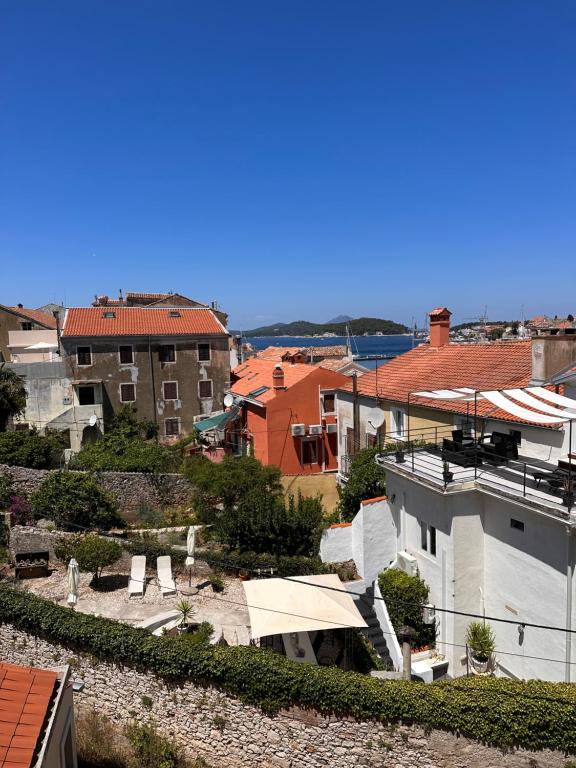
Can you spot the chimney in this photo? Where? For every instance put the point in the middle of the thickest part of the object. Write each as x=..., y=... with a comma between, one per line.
x=278, y=377
x=551, y=355
x=439, y=327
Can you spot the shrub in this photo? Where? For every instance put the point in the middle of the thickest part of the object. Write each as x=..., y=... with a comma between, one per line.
x=29, y=449
x=20, y=511
x=151, y=749
x=12, y=395
x=217, y=582
x=7, y=490
x=74, y=500
x=97, y=741
x=403, y=595
x=92, y=552
x=501, y=712
x=148, y=545
x=120, y=451
x=366, y=481
x=233, y=561
x=480, y=640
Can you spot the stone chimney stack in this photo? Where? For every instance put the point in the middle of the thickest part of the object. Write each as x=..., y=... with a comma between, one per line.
x=439, y=327
x=278, y=377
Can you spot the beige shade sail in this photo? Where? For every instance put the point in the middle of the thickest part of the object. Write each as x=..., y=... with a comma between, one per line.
x=300, y=604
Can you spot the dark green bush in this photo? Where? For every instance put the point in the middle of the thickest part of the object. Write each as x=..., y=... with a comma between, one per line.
x=29, y=449
x=122, y=452
x=506, y=713
x=148, y=545
x=403, y=595
x=75, y=500
x=366, y=481
x=233, y=562
x=151, y=749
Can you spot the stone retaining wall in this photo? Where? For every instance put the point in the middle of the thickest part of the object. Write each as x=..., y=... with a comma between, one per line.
x=131, y=489
x=230, y=734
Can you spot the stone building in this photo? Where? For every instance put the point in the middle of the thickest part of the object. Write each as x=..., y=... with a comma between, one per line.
x=21, y=319
x=172, y=365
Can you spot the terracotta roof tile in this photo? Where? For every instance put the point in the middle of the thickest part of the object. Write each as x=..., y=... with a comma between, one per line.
x=255, y=373
x=36, y=315
x=502, y=365
x=26, y=694
x=86, y=322
x=276, y=353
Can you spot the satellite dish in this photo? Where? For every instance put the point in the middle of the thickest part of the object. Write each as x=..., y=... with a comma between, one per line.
x=376, y=417
x=228, y=400
x=93, y=420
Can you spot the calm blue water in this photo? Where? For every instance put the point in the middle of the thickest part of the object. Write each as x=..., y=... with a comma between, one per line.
x=381, y=345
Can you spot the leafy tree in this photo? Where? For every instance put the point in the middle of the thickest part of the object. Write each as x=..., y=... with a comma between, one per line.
x=124, y=450
x=30, y=449
x=75, y=500
x=126, y=420
x=7, y=490
x=12, y=395
x=403, y=595
x=365, y=481
x=266, y=524
x=219, y=488
x=92, y=552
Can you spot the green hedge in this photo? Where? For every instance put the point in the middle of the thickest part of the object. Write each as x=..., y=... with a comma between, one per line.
x=506, y=713
x=233, y=561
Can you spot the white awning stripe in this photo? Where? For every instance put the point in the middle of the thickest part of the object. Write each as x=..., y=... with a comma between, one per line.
x=444, y=394
x=552, y=397
x=533, y=402
x=505, y=404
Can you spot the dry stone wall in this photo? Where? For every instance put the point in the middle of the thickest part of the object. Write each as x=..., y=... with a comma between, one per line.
x=230, y=734
x=131, y=489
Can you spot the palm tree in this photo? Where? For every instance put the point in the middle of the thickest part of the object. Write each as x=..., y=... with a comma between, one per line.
x=12, y=395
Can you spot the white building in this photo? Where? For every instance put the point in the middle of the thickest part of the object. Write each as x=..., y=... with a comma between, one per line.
x=497, y=539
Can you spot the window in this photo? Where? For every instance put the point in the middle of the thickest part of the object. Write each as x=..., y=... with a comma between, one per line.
x=204, y=353
x=170, y=390
x=127, y=393
x=172, y=427
x=205, y=388
x=109, y=315
x=518, y=524
x=329, y=403
x=350, y=441
x=309, y=452
x=371, y=440
x=423, y=536
x=22, y=426
x=84, y=355
x=26, y=326
x=428, y=538
x=167, y=353
x=174, y=313
x=398, y=421
x=432, y=532
x=86, y=395
x=126, y=353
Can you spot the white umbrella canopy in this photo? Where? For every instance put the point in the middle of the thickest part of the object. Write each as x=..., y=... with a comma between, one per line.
x=191, y=545
x=73, y=582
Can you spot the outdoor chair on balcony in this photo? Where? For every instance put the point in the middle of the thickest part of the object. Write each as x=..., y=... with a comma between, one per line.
x=498, y=448
x=460, y=450
x=554, y=480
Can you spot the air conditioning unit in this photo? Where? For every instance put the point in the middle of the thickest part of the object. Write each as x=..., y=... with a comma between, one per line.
x=315, y=429
x=332, y=429
x=298, y=430
x=407, y=563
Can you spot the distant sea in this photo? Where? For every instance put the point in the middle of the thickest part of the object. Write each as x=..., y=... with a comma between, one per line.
x=375, y=345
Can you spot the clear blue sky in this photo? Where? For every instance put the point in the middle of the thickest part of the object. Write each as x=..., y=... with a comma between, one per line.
x=294, y=159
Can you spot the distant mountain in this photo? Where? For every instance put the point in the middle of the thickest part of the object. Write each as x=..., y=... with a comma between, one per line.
x=340, y=319
x=303, y=328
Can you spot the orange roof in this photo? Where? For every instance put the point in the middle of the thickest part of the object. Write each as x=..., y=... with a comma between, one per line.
x=255, y=373
x=374, y=500
x=439, y=311
x=141, y=321
x=502, y=365
x=25, y=695
x=336, y=350
x=36, y=315
x=276, y=353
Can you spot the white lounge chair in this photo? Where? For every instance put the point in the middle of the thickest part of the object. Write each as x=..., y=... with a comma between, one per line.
x=137, y=576
x=165, y=580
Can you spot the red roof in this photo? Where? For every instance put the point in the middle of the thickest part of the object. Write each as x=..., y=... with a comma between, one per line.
x=36, y=315
x=256, y=373
x=439, y=311
x=502, y=365
x=25, y=695
x=141, y=321
x=276, y=353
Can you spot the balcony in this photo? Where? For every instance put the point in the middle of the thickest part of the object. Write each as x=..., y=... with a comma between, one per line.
x=437, y=460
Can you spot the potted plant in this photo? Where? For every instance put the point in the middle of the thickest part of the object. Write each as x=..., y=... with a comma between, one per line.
x=186, y=611
x=217, y=582
x=568, y=492
x=446, y=473
x=481, y=644
x=400, y=454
